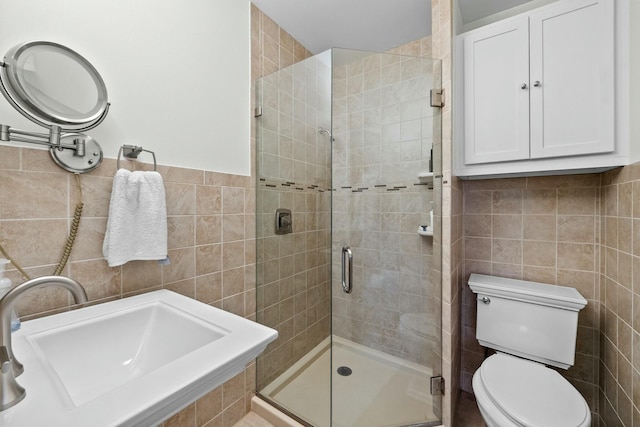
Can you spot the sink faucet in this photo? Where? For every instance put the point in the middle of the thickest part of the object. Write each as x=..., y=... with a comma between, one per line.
x=10, y=391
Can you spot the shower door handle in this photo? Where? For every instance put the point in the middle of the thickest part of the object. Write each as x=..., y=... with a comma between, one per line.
x=347, y=272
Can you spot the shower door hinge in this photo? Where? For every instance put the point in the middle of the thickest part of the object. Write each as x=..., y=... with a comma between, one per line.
x=437, y=385
x=437, y=98
x=257, y=112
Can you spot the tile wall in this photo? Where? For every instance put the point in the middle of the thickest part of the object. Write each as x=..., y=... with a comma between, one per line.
x=543, y=229
x=619, y=298
x=293, y=269
x=293, y=276
x=211, y=245
x=296, y=102
x=452, y=277
x=581, y=231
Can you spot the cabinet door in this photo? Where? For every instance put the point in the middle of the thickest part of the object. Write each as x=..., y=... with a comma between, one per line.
x=572, y=79
x=496, y=91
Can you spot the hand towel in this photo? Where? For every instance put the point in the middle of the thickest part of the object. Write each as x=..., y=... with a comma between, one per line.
x=137, y=223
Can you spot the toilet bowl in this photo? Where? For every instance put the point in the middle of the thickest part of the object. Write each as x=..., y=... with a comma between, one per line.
x=513, y=392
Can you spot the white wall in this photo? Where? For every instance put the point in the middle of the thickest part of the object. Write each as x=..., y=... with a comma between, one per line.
x=634, y=72
x=177, y=72
x=530, y=5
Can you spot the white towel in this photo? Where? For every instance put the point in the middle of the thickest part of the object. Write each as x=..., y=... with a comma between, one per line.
x=137, y=224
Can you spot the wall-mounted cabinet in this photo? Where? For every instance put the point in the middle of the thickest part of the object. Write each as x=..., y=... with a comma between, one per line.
x=539, y=93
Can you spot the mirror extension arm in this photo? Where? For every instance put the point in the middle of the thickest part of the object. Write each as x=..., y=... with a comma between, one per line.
x=52, y=139
x=74, y=152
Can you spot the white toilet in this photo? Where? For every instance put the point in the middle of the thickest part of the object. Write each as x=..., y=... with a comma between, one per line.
x=530, y=325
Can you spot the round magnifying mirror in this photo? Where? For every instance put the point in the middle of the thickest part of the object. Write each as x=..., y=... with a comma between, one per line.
x=53, y=85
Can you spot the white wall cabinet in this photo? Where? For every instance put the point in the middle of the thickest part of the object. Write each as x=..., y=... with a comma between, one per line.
x=539, y=92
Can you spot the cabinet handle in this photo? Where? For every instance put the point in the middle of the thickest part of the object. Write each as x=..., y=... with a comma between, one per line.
x=537, y=83
x=523, y=86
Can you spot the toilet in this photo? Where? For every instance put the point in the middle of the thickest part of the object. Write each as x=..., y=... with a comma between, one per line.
x=531, y=326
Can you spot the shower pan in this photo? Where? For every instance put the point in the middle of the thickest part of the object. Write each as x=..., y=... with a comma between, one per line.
x=349, y=144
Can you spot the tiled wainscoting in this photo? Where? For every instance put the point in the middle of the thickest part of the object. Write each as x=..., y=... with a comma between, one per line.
x=211, y=224
x=581, y=231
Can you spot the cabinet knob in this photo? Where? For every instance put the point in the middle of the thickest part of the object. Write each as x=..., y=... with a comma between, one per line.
x=537, y=83
x=523, y=86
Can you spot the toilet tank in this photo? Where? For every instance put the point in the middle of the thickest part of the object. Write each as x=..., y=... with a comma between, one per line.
x=533, y=320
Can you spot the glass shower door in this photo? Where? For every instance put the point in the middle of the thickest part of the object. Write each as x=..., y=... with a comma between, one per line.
x=385, y=279
x=348, y=161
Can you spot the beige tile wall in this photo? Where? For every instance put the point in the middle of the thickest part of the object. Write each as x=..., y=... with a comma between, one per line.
x=293, y=283
x=272, y=48
x=293, y=270
x=579, y=231
x=442, y=36
x=211, y=245
x=619, y=298
x=544, y=229
x=295, y=102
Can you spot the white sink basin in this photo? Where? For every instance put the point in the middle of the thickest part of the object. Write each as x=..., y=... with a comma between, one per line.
x=132, y=362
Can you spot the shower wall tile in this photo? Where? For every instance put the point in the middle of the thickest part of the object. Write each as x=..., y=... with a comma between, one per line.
x=289, y=267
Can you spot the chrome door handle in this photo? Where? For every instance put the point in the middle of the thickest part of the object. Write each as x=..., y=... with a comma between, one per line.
x=347, y=272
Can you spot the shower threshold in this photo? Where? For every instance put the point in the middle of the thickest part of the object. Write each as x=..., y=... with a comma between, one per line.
x=382, y=390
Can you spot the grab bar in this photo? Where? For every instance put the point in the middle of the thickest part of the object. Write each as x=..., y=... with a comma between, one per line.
x=347, y=282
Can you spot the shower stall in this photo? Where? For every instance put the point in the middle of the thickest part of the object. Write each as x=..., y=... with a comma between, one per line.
x=349, y=239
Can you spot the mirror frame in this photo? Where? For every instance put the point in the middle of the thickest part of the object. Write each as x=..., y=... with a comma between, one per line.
x=35, y=110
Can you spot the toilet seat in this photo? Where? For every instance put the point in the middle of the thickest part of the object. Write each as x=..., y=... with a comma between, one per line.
x=528, y=394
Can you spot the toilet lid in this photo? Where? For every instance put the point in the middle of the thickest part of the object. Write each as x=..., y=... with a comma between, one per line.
x=531, y=394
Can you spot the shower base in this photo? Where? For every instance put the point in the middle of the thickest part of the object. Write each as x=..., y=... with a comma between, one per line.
x=382, y=390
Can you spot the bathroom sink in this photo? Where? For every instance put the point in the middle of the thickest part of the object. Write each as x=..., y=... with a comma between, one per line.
x=133, y=362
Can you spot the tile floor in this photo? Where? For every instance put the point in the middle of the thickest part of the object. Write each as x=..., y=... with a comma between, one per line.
x=467, y=413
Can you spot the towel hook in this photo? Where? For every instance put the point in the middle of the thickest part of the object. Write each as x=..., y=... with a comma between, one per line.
x=132, y=152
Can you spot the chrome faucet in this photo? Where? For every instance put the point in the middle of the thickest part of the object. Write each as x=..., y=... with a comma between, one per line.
x=10, y=391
